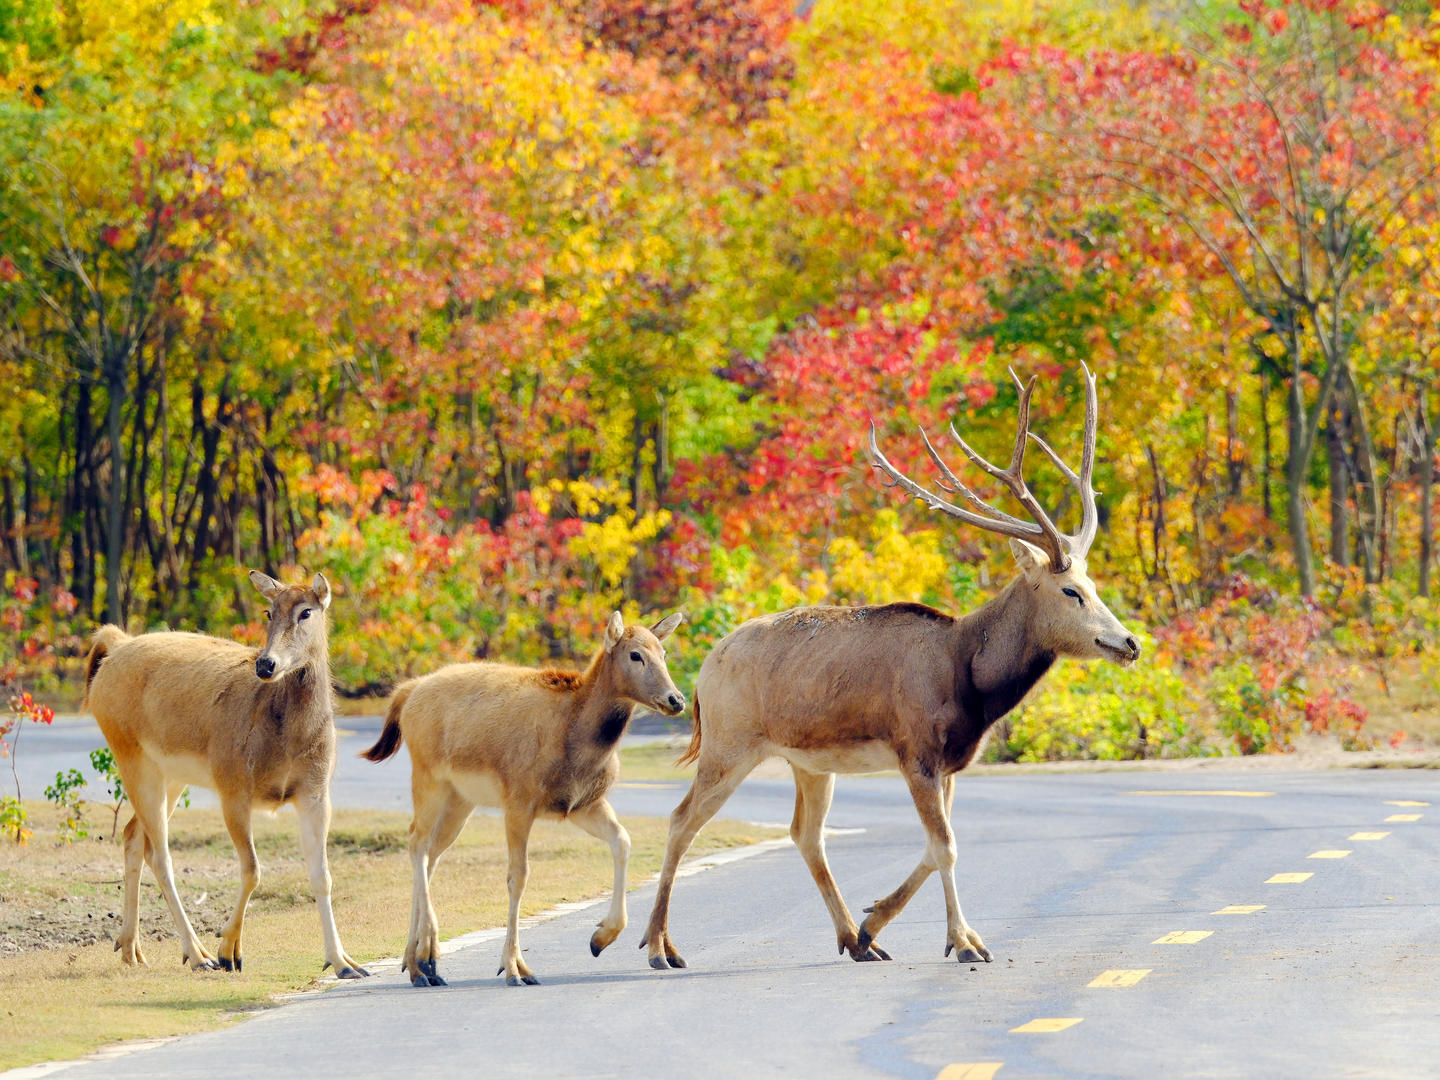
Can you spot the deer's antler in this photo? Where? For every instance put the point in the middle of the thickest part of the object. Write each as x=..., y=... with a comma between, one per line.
x=1040, y=531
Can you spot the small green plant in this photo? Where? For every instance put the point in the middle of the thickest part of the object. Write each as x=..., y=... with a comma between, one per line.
x=103, y=762
x=12, y=819
x=65, y=794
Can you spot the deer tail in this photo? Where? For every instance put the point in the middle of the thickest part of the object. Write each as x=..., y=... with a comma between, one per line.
x=389, y=740
x=693, y=750
x=102, y=643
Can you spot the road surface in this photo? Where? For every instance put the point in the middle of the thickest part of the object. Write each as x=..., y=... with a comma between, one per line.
x=1251, y=924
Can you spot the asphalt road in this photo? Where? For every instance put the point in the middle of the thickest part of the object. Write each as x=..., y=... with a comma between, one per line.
x=1067, y=877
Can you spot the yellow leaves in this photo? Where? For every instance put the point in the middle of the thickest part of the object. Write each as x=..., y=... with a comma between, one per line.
x=892, y=566
x=1411, y=256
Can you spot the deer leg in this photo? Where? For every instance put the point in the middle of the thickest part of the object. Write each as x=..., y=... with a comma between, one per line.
x=712, y=786
x=930, y=802
x=127, y=944
x=150, y=799
x=813, y=792
x=599, y=821
x=882, y=911
x=444, y=816
x=314, y=810
x=517, y=839
x=236, y=811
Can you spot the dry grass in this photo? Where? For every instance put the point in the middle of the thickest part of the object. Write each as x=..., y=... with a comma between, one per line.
x=656, y=761
x=63, y=992
x=1411, y=707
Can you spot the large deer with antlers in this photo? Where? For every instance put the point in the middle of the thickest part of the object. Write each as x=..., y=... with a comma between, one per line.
x=835, y=689
x=256, y=727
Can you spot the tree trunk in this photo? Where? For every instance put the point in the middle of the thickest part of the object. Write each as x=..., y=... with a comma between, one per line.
x=1335, y=440
x=1234, y=462
x=1296, y=466
x=1266, y=464
x=1427, y=480
x=115, y=505
x=637, y=461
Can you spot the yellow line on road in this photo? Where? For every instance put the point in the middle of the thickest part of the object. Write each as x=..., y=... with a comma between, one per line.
x=1046, y=1024
x=1404, y=817
x=1288, y=879
x=1331, y=854
x=970, y=1070
x=1239, y=909
x=1119, y=977
x=1405, y=802
x=1183, y=937
x=1229, y=794
x=1369, y=835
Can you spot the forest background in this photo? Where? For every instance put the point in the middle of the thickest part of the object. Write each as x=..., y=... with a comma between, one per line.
x=505, y=314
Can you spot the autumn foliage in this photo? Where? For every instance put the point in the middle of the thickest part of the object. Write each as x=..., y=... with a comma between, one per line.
x=508, y=313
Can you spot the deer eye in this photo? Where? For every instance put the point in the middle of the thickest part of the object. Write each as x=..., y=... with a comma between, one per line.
x=305, y=614
x=267, y=614
x=1071, y=592
x=637, y=658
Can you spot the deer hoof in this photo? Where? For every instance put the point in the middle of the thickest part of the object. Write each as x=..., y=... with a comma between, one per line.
x=351, y=973
x=521, y=980
x=675, y=960
x=595, y=947
x=226, y=964
x=420, y=981
x=968, y=955
x=659, y=963
x=436, y=980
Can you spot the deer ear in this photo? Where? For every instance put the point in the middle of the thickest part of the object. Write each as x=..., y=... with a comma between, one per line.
x=321, y=588
x=666, y=626
x=267, y=585
x=1032, y=560
x=614, y=630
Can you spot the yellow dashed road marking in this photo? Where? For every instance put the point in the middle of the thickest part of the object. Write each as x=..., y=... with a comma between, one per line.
x=1229, y=794
x=1369, y=835
x=1119, y=978
x=1183, y=937
x=1405, y=802
x=1288, y=879
x=970, y=1070
x=1239, y=909
x=1404, y=817
x=1328, y=854
x=1050, y=1023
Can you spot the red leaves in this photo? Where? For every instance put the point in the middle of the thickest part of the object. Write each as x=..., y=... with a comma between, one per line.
x=735, y=48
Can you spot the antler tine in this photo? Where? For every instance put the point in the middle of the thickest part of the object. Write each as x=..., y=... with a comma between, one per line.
x=1090, y=516
x=1080, y=542
x=1055, y=543
x=1001, y=523
x=959, y=486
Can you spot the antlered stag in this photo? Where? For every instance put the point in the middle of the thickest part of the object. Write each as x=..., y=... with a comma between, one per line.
x=533, y=743
x=257, y=728
x=835, y=689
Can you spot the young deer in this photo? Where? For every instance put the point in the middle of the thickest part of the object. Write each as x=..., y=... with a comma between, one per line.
x=532, y=743
x=834, y=689
x=257, y=728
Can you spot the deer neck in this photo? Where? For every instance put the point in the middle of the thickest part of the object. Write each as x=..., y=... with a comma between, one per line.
x=307, y=691
x=1006, y=661
x=601, y=715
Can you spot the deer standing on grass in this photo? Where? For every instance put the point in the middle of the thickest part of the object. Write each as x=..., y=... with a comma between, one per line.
x=533, y=743
x=898, y=686
x=257, y=728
